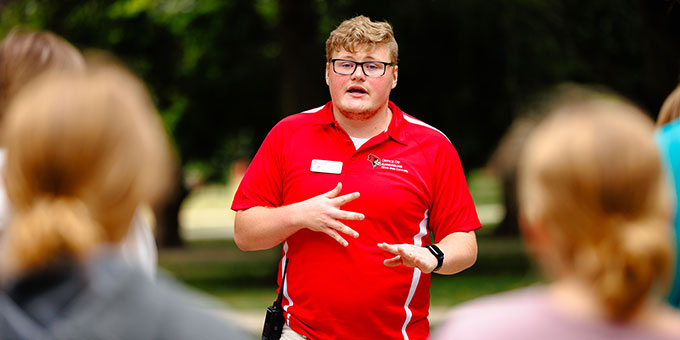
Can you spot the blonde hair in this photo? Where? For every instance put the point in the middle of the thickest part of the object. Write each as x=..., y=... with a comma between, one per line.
x=670, y=110
x=27, y=54
x=360, y=31
x=83, y=151
x=591, y=175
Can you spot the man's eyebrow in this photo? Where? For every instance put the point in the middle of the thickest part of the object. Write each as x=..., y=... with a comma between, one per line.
x=353, y=58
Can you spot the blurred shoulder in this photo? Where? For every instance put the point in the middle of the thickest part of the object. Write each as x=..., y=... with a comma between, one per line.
x=514, y=310
x=189, y=314
x=126, y=302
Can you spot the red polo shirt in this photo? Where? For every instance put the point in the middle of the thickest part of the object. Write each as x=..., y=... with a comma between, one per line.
x=411, y=184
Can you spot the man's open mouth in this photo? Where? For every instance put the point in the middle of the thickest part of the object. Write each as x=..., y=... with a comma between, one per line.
x=357, y=90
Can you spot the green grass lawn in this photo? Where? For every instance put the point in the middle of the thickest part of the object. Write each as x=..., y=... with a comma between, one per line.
x=243, y=280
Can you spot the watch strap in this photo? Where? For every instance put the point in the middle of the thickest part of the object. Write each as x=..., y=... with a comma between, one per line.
x=437, y=253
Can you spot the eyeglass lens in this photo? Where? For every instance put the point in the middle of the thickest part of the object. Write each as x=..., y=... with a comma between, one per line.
x=348, y=67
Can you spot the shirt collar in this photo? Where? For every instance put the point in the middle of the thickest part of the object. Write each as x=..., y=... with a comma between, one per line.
x=395, y=130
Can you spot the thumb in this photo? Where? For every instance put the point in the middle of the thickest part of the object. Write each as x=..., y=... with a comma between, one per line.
x=334, y=192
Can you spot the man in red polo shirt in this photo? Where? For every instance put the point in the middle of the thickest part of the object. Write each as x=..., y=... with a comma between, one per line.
x=353, y=190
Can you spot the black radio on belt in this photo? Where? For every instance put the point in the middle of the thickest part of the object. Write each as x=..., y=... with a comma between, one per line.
x=274, y=321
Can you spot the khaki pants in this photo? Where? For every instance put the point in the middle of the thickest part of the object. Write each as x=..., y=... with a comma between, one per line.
x=289, y=334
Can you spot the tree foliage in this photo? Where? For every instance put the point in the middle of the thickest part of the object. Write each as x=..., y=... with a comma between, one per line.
x=223, y=72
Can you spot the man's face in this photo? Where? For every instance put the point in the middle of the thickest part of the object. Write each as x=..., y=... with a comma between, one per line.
x=357, y=96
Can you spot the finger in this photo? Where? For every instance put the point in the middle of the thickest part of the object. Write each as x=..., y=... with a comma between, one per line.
x=393, y=262
x=349, y=215
x=389, y=248
x=332, y=233
x=344, y=199
x=339, y=226
x=334, y=192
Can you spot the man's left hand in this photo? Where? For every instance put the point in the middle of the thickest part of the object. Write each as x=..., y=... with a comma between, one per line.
x=409, y=255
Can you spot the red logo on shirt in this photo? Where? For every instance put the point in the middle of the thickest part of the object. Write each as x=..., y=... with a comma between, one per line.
x=375, y=160
x=386, y=164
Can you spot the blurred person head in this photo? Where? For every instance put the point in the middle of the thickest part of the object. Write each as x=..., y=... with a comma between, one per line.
x=670, y=110
x=27, y=54
x=504, y=161
x=360, y=91
x=594, y=204
x=83, y=151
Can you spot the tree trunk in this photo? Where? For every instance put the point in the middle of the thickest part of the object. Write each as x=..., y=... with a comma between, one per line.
x=167, y=214
x=302, y=57
x=509, y=226
x=503, y=163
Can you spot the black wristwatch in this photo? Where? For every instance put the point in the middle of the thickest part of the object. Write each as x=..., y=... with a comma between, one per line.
x=437, y=253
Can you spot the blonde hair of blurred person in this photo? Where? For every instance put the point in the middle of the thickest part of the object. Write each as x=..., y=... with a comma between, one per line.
x=84, y=150
x=594, y=213
x=592, y=186
x=78, y=168
x=670, y=110
x=25, y=55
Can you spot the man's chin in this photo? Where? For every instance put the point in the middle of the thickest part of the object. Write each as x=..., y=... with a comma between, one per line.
x=358, y=114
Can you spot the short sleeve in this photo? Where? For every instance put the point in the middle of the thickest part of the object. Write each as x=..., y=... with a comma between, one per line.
x=453, y=209
x=262, y=183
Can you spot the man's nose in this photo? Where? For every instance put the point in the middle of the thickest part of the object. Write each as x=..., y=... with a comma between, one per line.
x=359, y=72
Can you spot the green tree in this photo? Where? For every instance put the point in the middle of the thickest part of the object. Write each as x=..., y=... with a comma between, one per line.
x=223, y=72
x=211, y=67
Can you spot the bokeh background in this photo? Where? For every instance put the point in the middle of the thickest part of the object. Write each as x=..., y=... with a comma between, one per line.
x=223, y=72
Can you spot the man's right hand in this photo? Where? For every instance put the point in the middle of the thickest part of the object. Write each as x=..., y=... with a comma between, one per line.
x=261, y=227
x=322, y=214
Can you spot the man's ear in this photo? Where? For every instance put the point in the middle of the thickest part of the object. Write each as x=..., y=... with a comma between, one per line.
x=328, y=65
x=395, y=76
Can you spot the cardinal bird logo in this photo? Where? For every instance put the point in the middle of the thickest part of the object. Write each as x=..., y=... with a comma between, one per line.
x=375, y=160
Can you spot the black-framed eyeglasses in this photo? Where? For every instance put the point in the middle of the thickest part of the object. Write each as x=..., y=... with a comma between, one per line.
x=371, y=68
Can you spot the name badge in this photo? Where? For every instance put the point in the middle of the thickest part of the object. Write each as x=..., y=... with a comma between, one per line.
x=326, y=167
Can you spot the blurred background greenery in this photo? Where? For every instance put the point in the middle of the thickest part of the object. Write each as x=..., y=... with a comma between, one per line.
x=223, y=72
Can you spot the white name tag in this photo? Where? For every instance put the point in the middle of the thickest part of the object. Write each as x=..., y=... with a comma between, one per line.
x=326, y=167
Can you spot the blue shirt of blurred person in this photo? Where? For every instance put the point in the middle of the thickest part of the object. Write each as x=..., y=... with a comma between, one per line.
x=668, y=139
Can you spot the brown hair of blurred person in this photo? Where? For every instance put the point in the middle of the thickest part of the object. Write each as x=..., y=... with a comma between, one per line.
x=594, y=205
x=27, y=54
x=670, y=110
x=84, y=150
